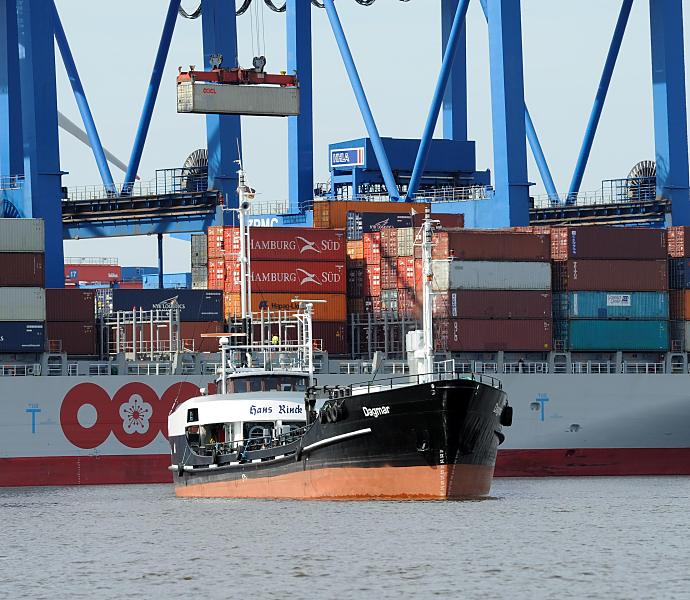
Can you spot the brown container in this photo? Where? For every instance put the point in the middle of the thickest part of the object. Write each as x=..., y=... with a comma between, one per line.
x=469, y=335
x=334, y=214
x=447, y=221
x=600, y=242
x=371, y=245
x=215, y=241
x=71, y=304
x=678, y=247
x=333, y=307
x=611, y=275
x=492, y=245
x=406, y=273
x=216, y=274
x=389, y=273
x=72, y=337
x=355, y=283
x=22, y=269
x=679, y=305
x=372, y=280
x=493, y=304
x=289, y=243
x=294, y=277
x=409, y=306
x=389, y=242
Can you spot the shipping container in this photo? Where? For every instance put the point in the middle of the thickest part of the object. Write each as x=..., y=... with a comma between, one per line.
x=611, y=305
x=482, y=335
x=214, y=248
x=22, y=235
x=127, y=285
x=72, y=337
x=389, y=302
x=389, y=273
x=372, y=280
x=678, y=247
x=601, y=242
x=87, y=273
x=355, y=306
x=611, y=275
x=585, y=335
x=216, y=274
x=73, y=305
x=446, y=221
x=333, y=214
x=406, y=237
x=406, y=273
x=137, y=273
x=290, y=243
x=355, y=251
x=195, y=305
x=373, y=222
x=355, y=283
x=25, y=269
x=493, y=304
x=492, y=245
x=18, y=337
x=679, y=273
x=371, y=244
x=372, y=305
x=409, y=305
x=679, y=305
x=389, y=242
x=170, y=281
x=491, y=275
x=291, y=276
x=255, y=100
x=22, y=304
x=327, y=307
x=200, y=278
x=191, y=335
x=199, y=247
x=353, y=226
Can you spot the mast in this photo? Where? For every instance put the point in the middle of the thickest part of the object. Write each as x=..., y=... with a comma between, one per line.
x=427, y=278
x=243, y=258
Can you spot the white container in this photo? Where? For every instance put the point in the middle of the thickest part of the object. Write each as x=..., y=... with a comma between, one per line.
x=22, y=235
x=491, y=275
x=22, y=304
x=231, y=99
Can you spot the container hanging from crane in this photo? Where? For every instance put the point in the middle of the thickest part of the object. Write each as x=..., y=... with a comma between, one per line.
x=237, y=91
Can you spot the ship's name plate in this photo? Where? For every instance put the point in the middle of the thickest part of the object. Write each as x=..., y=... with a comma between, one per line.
x=376, y=412
x=282, y=409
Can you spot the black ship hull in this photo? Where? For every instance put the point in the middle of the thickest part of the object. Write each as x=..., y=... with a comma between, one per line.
x=428, y=441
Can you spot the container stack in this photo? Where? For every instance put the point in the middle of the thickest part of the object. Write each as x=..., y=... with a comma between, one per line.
x=71, y=321
x=22, y=281
x=288, y=263
x=199, y=261
x=92, y=273
x=133, y=277
x=171, y=281
x=492, y=291
x=215, y=255
x=679, y=284
x=611, y=289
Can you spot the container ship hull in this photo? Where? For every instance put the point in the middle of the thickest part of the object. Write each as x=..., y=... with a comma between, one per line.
x=431, y=441
x=60, y=431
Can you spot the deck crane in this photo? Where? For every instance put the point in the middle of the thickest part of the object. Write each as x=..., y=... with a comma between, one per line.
x=237, y=91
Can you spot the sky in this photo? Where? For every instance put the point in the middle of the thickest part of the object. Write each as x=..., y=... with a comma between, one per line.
x=396, y=46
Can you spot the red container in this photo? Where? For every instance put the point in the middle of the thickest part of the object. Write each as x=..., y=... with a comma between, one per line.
x=389, y=273
x=492, y=245
x=447, y=221
x=372, y=248
x=131, y=285
x=373, y=305
x=355, y=283
x=297, y=277
x=215, y=241
x=328, y=336
x=72, y=337
x=678, y=247
x=409, y=307
x=372, y=281
x=611, y=275
x=625, y=243
x=216, y=274
x=389, y=242
x=22, y=269
x=290, y=243
x=493, y=304
x=93, y=273
x=71, y=304
x=406, y=273
x=468, y=335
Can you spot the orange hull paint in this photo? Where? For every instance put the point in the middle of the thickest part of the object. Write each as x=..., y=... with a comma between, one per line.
x=351, y=483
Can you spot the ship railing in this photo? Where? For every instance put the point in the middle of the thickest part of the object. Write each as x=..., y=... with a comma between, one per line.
x=20, y=370
x=99, y=369
x=593, y=368
x=644, y=368
x=530, y=368
x=463, y=368
x=149, y=368
x=396, y=366
x=375, y=385
x=263, y=442
x=485, y=367
x=349, y=368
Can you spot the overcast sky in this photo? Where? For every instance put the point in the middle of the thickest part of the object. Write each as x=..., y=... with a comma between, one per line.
x=397, y=49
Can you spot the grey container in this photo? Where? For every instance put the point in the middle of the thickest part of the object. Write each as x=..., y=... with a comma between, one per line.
x=491, y=275
x=22, y=304
x=22, y=235
x=199, y=278
x=199, y=250
x=406, y=241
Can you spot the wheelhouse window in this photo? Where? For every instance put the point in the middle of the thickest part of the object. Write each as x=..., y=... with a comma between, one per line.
x=267, y=383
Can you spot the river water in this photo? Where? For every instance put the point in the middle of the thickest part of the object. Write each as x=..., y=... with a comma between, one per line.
x=535, y=538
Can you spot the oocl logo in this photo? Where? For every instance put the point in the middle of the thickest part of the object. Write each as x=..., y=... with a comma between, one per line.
x=135, y=414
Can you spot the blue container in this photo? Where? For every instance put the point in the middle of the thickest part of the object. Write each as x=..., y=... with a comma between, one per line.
x=609, y=335
x=170, y=281
x=679, y=273
x=195, y=305
x=611, y=305
x=137, y=273
x=16, y=337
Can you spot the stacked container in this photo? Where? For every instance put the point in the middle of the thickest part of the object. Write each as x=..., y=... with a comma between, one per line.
x=679, y=284
x=199, y=261
x=170, y=281
x=93, y=274
x=71, y=321
x=492, y=291
x=611, y=289
x=22, y=297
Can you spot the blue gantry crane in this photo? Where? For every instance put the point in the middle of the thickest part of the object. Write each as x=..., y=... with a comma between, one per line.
x=191, y=197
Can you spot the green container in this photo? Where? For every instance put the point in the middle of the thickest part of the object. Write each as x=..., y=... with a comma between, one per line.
x=611, y=305
x=609, y=335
